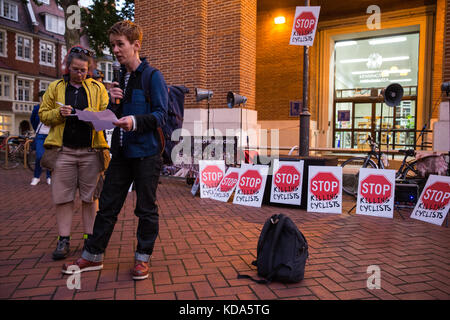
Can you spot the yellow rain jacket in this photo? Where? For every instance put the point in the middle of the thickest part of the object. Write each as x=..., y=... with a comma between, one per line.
x=49, y=111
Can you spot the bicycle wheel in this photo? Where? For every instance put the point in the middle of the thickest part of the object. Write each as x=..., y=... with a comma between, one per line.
x=409, y=172
x=12, y=161
x=350, y=173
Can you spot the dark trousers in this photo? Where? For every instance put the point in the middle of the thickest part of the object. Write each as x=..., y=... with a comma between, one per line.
x=144, y=172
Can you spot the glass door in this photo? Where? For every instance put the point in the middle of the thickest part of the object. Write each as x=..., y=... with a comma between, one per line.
x=363, y=125
x=343, y=125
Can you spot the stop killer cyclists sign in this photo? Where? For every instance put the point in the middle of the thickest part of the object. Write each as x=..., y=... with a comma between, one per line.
x=376, y=193
x=227, y=185
x=305, y=25
x=287, y=182
x=434, y=202
x=211, y=173
x=250, y=188
x=325, y=189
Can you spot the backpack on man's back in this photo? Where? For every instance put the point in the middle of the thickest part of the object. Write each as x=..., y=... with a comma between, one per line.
x=282, y=251
x=175, y=113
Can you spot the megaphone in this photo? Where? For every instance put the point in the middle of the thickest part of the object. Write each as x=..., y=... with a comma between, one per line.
x=392, y=94
x=201, y=94
x=235, y=99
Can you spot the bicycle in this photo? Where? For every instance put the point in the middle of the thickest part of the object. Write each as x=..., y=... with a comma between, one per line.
x=350, y=168
x=17, y=151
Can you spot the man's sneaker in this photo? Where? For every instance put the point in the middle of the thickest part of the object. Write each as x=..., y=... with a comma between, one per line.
x=62, y=249
x=140, y=271
x=81, y=265
x=49, y=181
x=35, y=181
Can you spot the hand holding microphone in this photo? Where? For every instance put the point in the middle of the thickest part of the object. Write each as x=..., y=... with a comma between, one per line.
x=115, y=92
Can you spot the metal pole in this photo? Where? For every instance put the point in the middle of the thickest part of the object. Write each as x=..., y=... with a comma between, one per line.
x=207, y=126
x=305, y=115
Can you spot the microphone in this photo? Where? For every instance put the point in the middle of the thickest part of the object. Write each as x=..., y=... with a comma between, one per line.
x=116, y=76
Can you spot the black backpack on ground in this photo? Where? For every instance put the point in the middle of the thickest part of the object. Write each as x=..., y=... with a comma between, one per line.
x=281, y=253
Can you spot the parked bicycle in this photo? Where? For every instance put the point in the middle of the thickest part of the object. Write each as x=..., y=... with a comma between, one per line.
x=378, y=160
x=17, y=150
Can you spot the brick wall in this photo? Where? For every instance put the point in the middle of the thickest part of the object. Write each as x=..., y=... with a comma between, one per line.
x=202, y=43
x=446, y=55
x=441, y=38
x=279, y=66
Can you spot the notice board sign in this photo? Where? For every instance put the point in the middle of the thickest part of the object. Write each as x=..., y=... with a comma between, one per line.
x=287, y=182
x=211, y=173
x=227, y=185
x=325, y=189
x=434, y=202
x=305, y=26
x=252, y=182
x=376, y=192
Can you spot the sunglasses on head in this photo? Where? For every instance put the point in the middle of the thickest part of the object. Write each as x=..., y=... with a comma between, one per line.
x=78, y=50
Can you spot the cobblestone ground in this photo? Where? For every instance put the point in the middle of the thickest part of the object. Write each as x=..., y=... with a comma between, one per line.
x=203, y=244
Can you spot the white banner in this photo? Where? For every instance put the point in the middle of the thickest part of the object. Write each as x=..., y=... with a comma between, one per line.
x=325, y=189
x=252, y=181
x=211, y=173
x=287, y=182
x=434, y=202
x=227, y=185
x=376, y=192
x=305, y=26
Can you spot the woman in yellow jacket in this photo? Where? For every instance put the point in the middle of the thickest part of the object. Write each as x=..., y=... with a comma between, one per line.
x=77, y=165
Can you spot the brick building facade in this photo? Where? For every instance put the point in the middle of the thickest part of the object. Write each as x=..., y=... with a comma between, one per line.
x=32, y=50
x=236, y=46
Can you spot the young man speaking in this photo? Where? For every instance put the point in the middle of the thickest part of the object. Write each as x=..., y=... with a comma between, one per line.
x=135, y=152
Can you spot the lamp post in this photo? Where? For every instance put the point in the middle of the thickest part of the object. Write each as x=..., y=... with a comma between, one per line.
x=305, y=115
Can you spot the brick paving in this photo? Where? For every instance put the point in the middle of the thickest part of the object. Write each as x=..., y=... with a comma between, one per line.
x=203, y=244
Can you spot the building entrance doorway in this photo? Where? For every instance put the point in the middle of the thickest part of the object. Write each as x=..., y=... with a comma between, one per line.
x=358, y=118
x=364, y=67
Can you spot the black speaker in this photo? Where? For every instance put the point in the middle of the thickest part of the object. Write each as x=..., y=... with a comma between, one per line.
x=201, y=94
x=406, y=194
x=235, y=99
x=393, y=94
x=307, y=161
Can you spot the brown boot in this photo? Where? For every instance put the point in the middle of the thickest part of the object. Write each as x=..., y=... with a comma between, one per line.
x=140, y=271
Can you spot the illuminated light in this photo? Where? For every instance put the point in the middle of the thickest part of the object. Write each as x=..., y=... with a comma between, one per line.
x=345, y=43
x=365, y=72
x=280, y=20
x=387, y=72
x=353, y=60
x=401, y=80
x=400, y=58
x=372, y=81
x=375, y=42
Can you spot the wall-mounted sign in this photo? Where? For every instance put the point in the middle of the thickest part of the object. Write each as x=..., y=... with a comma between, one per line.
x=343, y=115
x=305, y=25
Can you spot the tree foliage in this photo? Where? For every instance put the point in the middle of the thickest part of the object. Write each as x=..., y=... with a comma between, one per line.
x=95, y=21
x=99, y=17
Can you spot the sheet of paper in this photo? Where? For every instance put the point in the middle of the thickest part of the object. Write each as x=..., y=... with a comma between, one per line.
x=102, y=120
